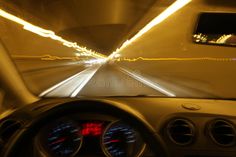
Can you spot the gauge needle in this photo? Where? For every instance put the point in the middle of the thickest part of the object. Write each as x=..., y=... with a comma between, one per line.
x=114, y=141
x=58, y=141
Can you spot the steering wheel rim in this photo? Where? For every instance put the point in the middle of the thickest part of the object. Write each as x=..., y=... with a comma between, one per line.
x=114, y=109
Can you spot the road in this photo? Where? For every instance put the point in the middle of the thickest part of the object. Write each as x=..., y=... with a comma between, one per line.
x=74, y=79
x=102, y=80
x=39, y=75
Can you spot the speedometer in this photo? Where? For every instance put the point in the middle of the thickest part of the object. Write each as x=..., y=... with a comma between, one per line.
x=121, y=140
x=64, y=140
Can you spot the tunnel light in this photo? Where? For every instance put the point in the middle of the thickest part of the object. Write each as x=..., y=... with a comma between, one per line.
x=95, y=61
x=223, y=39
x=117, y=55
x=49, y=34
x=157, y=20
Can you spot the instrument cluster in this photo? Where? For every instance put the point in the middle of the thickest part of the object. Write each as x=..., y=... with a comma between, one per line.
x=72, y=138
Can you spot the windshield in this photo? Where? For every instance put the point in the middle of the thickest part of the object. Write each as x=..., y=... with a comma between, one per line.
x=72, y=48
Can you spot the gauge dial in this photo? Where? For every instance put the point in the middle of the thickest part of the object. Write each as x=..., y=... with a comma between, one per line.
x=121, y=140
x=64, y=140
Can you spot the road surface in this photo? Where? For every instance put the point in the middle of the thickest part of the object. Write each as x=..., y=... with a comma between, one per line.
x=102, y=80
x=74, y=79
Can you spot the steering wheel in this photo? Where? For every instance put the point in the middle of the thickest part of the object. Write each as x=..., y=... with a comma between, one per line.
x=114, y=109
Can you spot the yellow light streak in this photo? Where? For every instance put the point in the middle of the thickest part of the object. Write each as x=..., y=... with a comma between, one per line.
x=48, y=57
x=49, y=34
x=223, y=39
x=175, y=59
x=157, y=20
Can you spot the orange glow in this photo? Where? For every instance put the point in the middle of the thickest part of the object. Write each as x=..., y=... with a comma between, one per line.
x=175, y=59
x=157, y=20
x=49, y=34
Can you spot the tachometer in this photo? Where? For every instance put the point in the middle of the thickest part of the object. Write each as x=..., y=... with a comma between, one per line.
x=121, y=140
x=64, y=140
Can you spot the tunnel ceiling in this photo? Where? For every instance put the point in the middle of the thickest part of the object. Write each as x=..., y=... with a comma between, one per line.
x=101, y=25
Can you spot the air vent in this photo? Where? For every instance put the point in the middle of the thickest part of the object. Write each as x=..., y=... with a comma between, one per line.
x=8, y=128
x=181, y=131
x=222, y=132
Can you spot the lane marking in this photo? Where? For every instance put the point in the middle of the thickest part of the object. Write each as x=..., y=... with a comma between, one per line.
x=60, y=84
x=84, y=82
x=148, y=82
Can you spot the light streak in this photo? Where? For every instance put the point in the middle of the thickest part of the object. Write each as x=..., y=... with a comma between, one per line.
x=59, y=84
x=73, y=84
x=223, y=39
x=84, y=81
x=175, y=59
x=95, y=61
x=49, y=34
x=157, y=20
x=48, y=57
x=148, y=83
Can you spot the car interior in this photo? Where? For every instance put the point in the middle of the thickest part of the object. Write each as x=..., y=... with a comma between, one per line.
x=117, y=78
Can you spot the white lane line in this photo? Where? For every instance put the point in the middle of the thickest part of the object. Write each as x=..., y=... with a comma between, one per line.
x=84, y=82
x=148, y=82
x=59, y=84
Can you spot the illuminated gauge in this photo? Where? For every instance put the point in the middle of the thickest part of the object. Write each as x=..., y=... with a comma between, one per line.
x=121, y=140
x=64, y=140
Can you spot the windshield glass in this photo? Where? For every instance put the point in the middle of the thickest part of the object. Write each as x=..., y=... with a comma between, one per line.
x=72, y=48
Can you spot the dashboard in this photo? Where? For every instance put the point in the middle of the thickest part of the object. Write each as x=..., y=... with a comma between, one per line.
x=79, y=135
x=186, y=127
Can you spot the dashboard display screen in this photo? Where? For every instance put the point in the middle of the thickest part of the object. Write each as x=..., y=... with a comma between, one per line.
x=92, y=129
